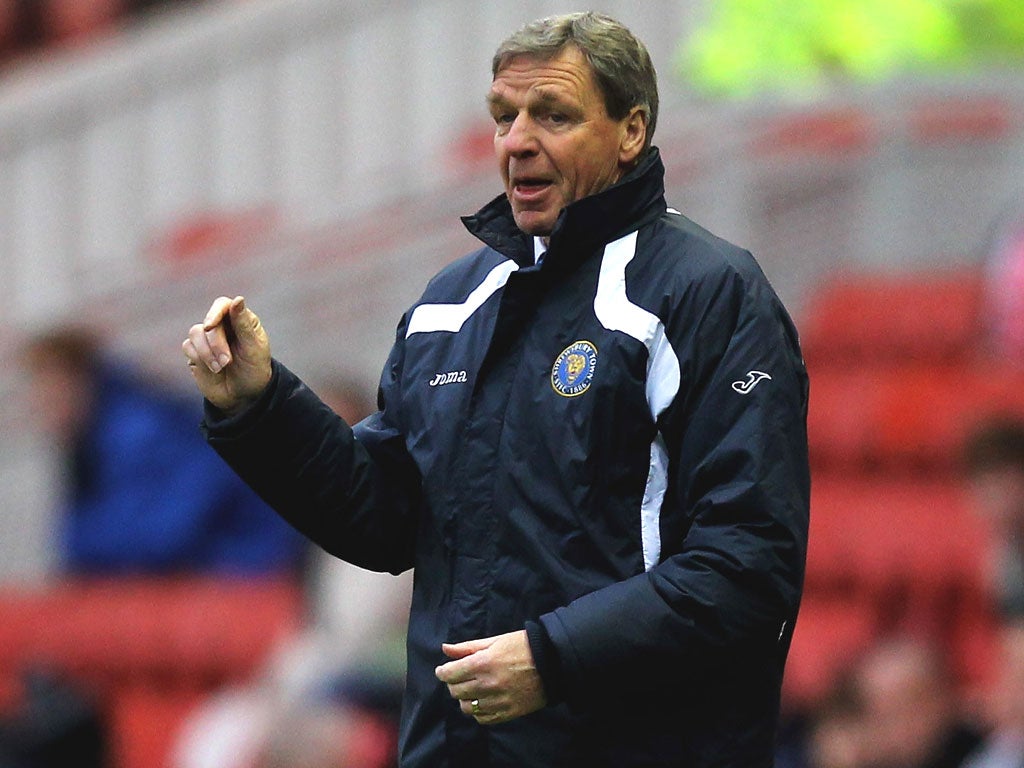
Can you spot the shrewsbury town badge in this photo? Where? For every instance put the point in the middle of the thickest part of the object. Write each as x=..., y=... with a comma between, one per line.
x=574, y=369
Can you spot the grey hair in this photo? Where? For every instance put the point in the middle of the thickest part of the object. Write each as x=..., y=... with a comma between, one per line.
x=620, y=62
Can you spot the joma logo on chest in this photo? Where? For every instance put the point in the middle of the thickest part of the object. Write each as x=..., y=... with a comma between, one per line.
x=452, y=377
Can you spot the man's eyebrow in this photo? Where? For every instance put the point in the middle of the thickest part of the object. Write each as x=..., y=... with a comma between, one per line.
x=495, y=97
x=545, y=96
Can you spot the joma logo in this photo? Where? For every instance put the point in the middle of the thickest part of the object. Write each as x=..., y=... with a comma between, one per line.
x=452, y=377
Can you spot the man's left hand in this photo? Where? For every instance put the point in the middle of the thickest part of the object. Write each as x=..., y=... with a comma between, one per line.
x=493, y=678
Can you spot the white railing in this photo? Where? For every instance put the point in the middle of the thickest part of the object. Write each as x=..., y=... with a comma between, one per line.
x=315, y=108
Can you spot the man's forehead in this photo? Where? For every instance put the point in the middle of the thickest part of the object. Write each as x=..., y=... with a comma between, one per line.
x=543, y=77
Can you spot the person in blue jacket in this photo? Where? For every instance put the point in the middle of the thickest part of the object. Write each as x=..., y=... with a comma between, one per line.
x=144, y=494
x=591, y=447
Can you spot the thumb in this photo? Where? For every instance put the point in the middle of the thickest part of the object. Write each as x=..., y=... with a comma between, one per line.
x=250, y=336
x=468, y=648
x=244, y=321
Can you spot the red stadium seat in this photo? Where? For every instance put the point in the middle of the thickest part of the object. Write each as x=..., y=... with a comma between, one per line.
x=877, y=532
x=148, y=649
x=909, y=415
x=78, y=21
x=926, y=316
x=829, y=633
x=821, y=133
x=908, y=551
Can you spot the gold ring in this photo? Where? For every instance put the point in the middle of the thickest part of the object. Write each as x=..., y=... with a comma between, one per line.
x=475, y=706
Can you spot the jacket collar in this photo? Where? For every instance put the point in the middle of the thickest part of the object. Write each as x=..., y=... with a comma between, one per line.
x=634, y=200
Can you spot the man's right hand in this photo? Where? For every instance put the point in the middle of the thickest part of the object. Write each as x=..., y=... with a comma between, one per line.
x=229, y=355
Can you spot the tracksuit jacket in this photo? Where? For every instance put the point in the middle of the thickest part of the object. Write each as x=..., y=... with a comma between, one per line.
x=607, y=448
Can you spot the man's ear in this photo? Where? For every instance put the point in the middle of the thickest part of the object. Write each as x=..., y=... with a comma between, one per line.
x=634, y=133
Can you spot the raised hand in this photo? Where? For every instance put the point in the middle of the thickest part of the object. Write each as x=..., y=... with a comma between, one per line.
x=229, y=355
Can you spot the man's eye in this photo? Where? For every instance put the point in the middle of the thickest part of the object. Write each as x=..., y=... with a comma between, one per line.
x=504, y=119
x=557, y=118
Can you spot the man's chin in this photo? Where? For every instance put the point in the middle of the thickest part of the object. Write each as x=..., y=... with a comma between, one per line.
x=533, y=223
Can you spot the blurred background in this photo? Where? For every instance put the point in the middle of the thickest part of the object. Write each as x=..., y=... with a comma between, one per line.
x=315, y=155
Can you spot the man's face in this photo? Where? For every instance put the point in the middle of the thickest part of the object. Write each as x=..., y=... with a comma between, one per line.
x=998, y=495
x=554, y=140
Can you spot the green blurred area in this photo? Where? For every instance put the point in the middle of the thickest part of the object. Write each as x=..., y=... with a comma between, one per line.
x=752, y=46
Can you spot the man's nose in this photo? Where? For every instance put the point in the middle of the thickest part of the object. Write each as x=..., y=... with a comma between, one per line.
x=521, y=138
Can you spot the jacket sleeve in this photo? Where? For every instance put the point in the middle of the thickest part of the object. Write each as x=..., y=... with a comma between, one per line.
x=353, y=491
x=728, y=584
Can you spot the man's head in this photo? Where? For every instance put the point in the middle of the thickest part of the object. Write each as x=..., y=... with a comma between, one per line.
x=62, y=365
x=908, y=703
x=575, y=101
x=994, y=464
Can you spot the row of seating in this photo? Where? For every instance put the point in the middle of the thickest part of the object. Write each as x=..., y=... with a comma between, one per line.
x=913, y=414
x=27, y=27
x=145, y=650
x=899, y=378
x=899, y=317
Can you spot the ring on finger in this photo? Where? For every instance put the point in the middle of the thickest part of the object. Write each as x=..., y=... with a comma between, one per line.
x=474, y=706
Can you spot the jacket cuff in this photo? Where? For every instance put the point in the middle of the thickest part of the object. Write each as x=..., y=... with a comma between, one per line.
x=545, y=659
x=220, y=424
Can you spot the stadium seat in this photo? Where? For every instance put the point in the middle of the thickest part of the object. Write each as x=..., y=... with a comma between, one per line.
x=905, y=415
x=146, y=649
x=916, y=316
x=875, y=532
x=962, y=120
x=78, y=21
x=830, y=632
x=821, y=133
x=902, y=555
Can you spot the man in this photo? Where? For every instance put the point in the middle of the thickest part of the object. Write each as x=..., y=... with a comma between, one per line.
x=994, y=468
x=909, y=714
x=143, y=494
x=591, y=446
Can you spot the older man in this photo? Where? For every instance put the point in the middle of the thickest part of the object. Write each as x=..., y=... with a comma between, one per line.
x=591, y=447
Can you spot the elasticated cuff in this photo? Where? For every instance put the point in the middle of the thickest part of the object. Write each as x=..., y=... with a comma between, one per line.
x=217, y=422
x=545, y=658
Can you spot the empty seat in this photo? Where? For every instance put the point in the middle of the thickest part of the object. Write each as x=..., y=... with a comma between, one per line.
x=894, y=316
x=907, y=415
x=877, y=534
x=147, y=649
x=830, y=632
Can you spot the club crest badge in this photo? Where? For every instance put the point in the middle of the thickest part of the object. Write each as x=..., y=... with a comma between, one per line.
x=573, y=371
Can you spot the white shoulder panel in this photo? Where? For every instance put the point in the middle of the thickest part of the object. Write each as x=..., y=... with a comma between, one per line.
x=428, y=318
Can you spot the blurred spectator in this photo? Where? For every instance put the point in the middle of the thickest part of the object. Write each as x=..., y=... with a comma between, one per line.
x=143, y=492
x=329, y=734
x=994, y=463
x=1004, y=288
x=896, y=706
x=909, y=709
x=54, y=725
x=1004, y=745
x=835, y=736
x=330, y=697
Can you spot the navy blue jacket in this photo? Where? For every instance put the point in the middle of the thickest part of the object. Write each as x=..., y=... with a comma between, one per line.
x=608, y=449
